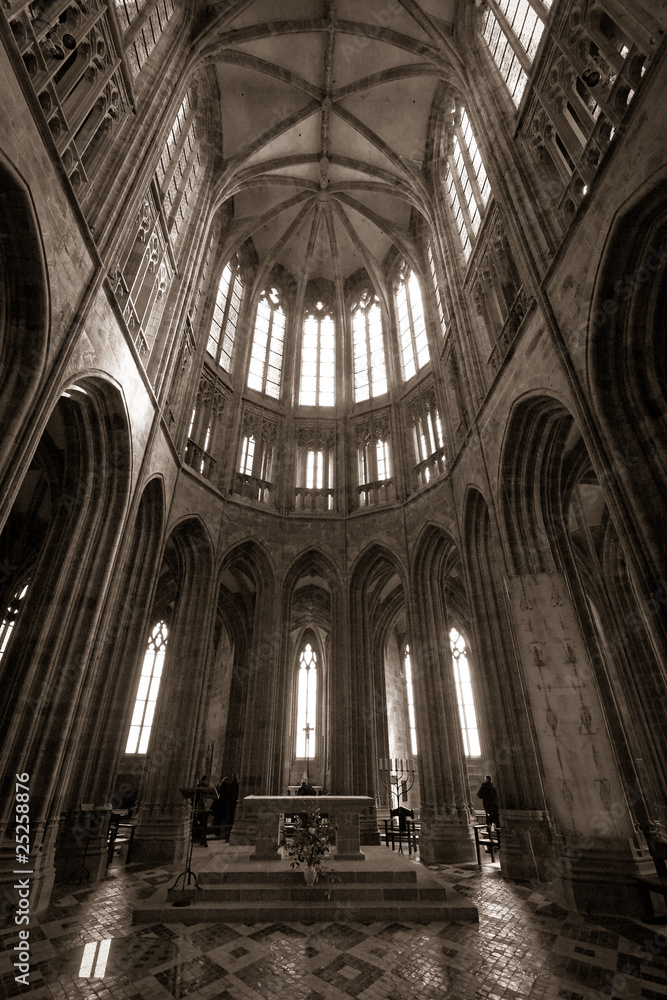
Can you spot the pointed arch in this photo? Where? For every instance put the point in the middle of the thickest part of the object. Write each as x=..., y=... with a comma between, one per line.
x=24, y=304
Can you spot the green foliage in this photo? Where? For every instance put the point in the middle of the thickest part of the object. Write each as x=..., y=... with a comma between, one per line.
x=310, y=843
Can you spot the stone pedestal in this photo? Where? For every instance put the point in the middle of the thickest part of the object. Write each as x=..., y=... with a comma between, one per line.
x=527, y=844
x=445, y=840
x=162, y=834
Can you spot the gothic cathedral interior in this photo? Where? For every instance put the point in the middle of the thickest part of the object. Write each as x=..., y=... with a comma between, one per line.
x=333, y=421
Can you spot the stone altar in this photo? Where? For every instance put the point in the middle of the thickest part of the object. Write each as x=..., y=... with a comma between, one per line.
x=263, y=814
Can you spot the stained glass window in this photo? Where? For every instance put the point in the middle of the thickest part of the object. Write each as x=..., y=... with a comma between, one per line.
x=466, y=702
x=370, y=371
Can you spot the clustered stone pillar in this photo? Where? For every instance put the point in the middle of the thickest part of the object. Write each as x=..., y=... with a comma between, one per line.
x=597, y=857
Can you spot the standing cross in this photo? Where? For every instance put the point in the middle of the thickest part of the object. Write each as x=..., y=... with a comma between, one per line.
x=308, y=729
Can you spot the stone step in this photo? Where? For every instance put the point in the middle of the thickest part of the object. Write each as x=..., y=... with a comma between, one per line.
x=382, y=911
x=368, y=892
x=255, y=876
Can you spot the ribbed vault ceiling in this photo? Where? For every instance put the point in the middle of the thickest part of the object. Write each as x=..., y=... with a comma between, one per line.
x=325, y=108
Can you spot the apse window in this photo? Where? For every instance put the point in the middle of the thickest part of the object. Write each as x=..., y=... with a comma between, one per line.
x=318, y=358
x=225, y=317
x=512, y=30
x=466, y=181
x=266, y=359
x=411, y=323
x=464, y=695
x=149, y=684
x=409, y=690
x=10, y=617
x=306, y=704
x=370, y=370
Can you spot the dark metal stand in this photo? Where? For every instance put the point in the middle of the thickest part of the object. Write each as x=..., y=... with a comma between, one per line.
x=82, y=871
x=188, y=876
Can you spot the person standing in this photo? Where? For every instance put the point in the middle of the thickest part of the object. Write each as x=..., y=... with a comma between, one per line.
x=488, y=793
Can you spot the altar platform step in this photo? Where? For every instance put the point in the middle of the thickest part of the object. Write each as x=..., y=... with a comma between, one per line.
x=235, y=889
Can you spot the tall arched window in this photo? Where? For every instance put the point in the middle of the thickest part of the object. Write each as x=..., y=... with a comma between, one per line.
x=266, y=359
x=318, y=358
x=467, y=712
x=466, y=180
x=370, y=371
x=512, y=30
x=149, y=684
x=225, y=316
x=407, y=666
x=306, y=713
x=140, y=42
x=10, y=617
x=436, y=286
x=411, y=323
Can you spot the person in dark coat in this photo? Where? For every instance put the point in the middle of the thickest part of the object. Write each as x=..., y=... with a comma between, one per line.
x=488, y=793
x=306, y=789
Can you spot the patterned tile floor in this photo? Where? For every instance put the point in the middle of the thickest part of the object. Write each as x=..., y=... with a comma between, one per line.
x=524, y=948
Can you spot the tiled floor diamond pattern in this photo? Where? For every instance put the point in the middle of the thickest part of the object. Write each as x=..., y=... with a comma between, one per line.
x=525, y=947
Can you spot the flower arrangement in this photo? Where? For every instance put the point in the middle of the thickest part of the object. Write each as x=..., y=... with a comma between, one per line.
x=310, y=843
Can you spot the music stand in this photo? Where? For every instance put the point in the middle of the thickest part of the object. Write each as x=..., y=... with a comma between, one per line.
x=187, y=875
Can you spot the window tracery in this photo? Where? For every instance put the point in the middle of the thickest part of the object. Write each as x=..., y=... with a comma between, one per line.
x=370, y=371
x=226, y=316
x=512, y=30
x=436, y=286
x=594, y=70
x=306, y=715
x=75, y=71
x=411, y=323
x=143, y=277
x=318, y=357
x=147, y=691
x=254, y=474
x=374, y=460
x=266, y=359
x=464, y=694
x=142, y=25
x=465, y=179
x=428, y=437
x=315, y=461
x=202, y=451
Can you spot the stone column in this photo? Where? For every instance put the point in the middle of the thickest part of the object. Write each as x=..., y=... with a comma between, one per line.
x=259, y=748
x=446, y=830
x=597, y=855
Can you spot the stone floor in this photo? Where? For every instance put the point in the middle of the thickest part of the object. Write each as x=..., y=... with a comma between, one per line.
x=525, y=947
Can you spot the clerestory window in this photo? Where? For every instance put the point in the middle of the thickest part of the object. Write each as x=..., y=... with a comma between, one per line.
x=512, y=30
x=306, y=715
x=266, y=359
x=225, y=317
x=318, y=358
x=466, y=180
x=436, y=286
x=149, y=684
x=370, y=370
x=411, y=323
